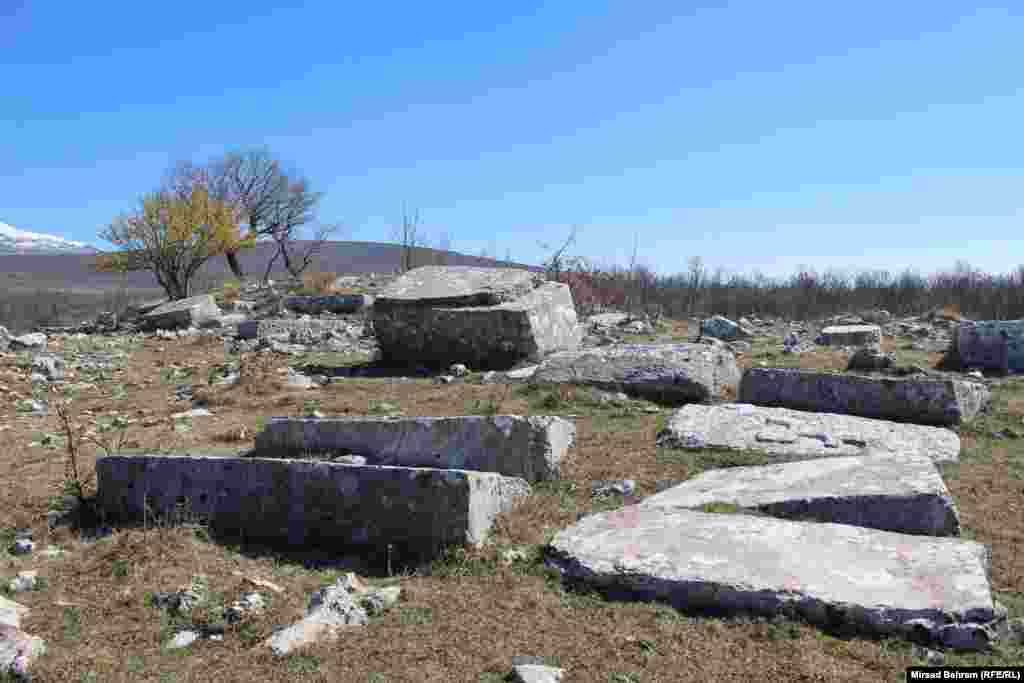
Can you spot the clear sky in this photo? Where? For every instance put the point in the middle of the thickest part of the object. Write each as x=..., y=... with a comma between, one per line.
x=758, y=135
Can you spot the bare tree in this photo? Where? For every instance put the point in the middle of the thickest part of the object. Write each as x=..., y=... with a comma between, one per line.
x=556, y=264
x=410, y=237
x=272, y=203
x=297, y=259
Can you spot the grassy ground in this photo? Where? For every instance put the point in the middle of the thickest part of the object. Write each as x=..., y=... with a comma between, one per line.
x=464, y=617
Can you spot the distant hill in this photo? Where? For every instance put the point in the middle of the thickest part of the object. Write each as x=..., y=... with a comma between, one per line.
x=15, y=241
x=30, y=270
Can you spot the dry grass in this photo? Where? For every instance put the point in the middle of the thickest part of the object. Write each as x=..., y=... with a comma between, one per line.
x=319, y=283
x=466, y=620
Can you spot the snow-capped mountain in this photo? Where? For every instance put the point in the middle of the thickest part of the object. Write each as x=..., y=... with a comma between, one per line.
x=15, y=241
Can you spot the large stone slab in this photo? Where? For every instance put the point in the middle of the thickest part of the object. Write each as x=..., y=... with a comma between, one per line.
x=191, y=312
x=924, y=400
x=527, y=447
x=898, y=493
x=991, y=344
x=301, y=503
x=669, y=372
x=305, y=329
x=483, y=317
x=843, y=577
x=851, y=335
x=798, y=435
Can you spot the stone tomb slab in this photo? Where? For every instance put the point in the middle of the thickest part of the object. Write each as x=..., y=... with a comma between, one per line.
x=190, y=312
x=843, y=577
x=669, y=372
x=527, y=447
x=924, y=400
x=899, y=493
x=798, y=435
x=851, y=335
x=301, y=503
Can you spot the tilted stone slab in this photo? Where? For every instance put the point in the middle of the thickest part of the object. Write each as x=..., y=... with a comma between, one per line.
x=302, y=503
x=487, y=318
x=527, y=447
x=924, y=400
x=800, y=435
x=898, y=493
x=991, y=344
x=836, y=575
x=669, y=372
x=191, y=312
x=851, y=335
x=260, y=329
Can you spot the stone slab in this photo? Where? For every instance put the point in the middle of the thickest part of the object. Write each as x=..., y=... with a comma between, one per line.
x=11, y=612
x=259, y=329
x=991, y=344
x=722, y=328
x=924, y=400
x=422, y=331
x=190, y=312
x=798, y=435
x=333, y=303
x=843, y=577
x=527, y=447
x=668, y=372
x=302, y=503
x=898, y=493
x=459, y=286
x=851, y=335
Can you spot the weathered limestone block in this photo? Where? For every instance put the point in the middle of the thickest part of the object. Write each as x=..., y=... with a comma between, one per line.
x=837, y=575
x=924, y=400
x=800, y=435
x=483, y=317
x=898, y=493
x=307, y=329
x=301, y=503
x=332, y=303
x=191, y=312
x=527, y=447
x=991, y=344
x=669, y=372
x=851, y=335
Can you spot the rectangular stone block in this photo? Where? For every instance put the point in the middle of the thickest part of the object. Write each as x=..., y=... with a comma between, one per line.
x=670, y=372
x=190, y=312
x=851, y=335
x=843, y=577
x=924, y=400
x=991, y=344
x=260, y=329
x=299, y=503
x=799, y=435
x=527, y=447
x=487, y=318
x=898, y=493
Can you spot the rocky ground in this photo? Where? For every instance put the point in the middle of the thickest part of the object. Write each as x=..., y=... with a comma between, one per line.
x=170, y=603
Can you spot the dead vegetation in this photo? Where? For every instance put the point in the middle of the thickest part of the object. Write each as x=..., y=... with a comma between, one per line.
x=460, y=618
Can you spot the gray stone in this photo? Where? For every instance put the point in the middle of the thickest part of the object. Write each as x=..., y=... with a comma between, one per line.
x=799, y=435
x=330, y=609
x=333, y=303
x=527, y=447
x=901, y=493
x=23, y=546
x=991, y=344
x=487, y=318
x=840, y=576
x=19, y=651
x=722, y=328
x=300, y=502
x=191, y=312
x=669, y=372
x=851, y=335
x=620, y=487
x=11, y=612
x=924, y=400
x=304, y=329
x=25, y=581
x=182, y=639
x=29, y=342
x=51, y=367
x=522, y=374
x=536, y=673
x=5, y=339
x=869, y=358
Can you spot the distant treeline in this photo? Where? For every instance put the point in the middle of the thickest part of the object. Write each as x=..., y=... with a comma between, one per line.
x=806, y=295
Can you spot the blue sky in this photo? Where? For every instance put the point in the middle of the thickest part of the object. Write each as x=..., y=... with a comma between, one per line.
x=757, y=135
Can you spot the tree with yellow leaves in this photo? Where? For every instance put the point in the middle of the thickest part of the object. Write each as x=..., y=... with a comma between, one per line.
x=173, y=235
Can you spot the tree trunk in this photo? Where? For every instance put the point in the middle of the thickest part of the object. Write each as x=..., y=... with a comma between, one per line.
x=236, y=267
